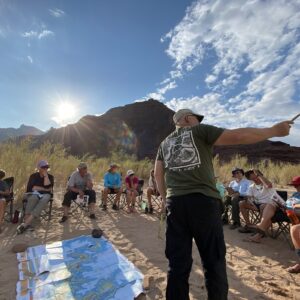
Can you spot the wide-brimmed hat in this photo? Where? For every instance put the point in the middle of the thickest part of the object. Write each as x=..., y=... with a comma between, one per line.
x=185, y=112
x=295, y=181
x=130, y=172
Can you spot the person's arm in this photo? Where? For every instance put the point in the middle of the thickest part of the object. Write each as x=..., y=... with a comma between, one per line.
x=106, y=182
x=135, y=184
x=267, y=184
x=6, y=192
x=89, y=183
x=72, y=187
x=253, y=135
x=244, y=188
x=119, y=181
x=159, y=174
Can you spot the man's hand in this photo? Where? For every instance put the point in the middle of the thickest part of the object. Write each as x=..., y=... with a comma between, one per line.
x=257, y=173
x=81, y=194
x=282, y=128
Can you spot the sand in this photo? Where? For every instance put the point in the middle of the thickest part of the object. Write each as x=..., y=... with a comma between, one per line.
x=255, y=271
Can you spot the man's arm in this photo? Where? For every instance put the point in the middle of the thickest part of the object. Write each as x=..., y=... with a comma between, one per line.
x=160, y=178
x=268, y=184
x=253, y=135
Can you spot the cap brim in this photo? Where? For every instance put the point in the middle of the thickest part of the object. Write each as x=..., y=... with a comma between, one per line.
x=199, y=117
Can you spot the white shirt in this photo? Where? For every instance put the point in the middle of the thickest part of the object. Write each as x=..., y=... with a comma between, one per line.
x=264, y=195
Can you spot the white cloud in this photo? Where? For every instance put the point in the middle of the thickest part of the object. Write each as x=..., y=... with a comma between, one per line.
x=56, y=12
x=254, y=50
x=39, y=35
x=30, y=59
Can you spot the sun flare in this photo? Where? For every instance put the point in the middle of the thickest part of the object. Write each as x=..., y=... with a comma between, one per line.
x=65, y=113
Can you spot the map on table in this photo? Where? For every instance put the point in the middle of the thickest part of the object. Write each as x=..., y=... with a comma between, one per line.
x=83, y=268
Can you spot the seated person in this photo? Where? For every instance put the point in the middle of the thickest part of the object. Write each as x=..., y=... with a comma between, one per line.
x=38, y=194
x=131, y=182
x=4, y=192
x=263, y=197
x=80, y=183
x=295, y=228
x=237, y=191
x=112, y=185
x=151, y=190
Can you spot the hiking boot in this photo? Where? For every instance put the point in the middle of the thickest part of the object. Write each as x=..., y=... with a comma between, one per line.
x=21, y=228
x=93, y=217
x=151, y=210
x=234, y=226
x=104, y=207
x=146, y=210
x=63, y=219
x=115, y=207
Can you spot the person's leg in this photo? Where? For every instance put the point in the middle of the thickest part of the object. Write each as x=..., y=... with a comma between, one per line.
x=32, y=201
x=265, y=222
x=295, y=235
x=205, y=220
x=227, y=203
x=118, y=197
x=150, y=192
x=128, y=200
x=178, y=250
x=235, y=199
x=104, y=198
x=92, y=202
x=39, y=207
x=68, y=197
x=134, y=195
x=2, y=211
x=245, y=206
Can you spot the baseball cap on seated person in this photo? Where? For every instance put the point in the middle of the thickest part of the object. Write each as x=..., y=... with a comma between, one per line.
x=113, y=165
x=185, y=112
x=130, y=172
x=43, y=164
x=82, y=165
x=236, y=169
x=295, y=181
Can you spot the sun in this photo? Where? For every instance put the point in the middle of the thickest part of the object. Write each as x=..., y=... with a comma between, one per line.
x=66, y=113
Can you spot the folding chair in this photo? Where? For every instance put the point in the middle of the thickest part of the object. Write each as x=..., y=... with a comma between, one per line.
x=156, y=201
x=111, y=198
x=140, y=191
x=46, y=213
x=9, y=199
x=81, y=205
x=282, y=221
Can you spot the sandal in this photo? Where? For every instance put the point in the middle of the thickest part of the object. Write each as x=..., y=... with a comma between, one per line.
x=295, y=269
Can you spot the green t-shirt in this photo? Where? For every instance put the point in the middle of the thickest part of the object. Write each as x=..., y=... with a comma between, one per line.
x=187, y=156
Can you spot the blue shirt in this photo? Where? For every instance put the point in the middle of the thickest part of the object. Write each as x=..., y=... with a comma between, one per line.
x=241, y=187
x=296, y=195
x=112, y=180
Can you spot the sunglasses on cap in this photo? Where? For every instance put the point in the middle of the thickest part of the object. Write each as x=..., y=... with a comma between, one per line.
x=45, y=167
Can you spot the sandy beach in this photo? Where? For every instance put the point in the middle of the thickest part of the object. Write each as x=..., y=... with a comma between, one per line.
x=255, y=271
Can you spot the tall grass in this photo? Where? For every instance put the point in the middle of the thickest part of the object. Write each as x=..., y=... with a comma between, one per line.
x=20, y=161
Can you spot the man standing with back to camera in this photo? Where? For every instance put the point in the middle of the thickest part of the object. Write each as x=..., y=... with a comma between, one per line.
x=185, y=177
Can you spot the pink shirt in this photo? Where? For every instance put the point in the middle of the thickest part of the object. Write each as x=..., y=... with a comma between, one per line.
x=134, y=181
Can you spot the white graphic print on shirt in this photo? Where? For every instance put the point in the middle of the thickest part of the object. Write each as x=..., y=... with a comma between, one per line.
x=180, y=152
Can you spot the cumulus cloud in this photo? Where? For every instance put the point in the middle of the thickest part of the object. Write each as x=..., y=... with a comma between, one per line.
x=56, y=12
x=38, y=34
x=254, y=76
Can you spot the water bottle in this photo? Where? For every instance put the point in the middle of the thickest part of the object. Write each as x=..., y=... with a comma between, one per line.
x=292, y=216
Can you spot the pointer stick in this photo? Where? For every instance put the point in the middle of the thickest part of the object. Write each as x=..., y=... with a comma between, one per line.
x=295, y=118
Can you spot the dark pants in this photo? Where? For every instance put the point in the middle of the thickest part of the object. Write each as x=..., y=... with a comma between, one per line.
x=69, y=196
x=235, y=208
x=199, y=217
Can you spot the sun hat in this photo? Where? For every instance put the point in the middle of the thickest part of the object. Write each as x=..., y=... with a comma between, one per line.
x=184, y=112
x=236, y=169
x=82, y=165
x=130, y=172
x=42, y=164
x=295, y=181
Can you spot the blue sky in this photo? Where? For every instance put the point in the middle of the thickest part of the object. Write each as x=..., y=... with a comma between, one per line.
x=237, y=62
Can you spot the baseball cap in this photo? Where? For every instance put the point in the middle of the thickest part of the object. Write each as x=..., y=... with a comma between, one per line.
x=82, y=165
x=295, y=181
x=113, y=165
x=184, y=112
x=42, y=164
x=130, y=172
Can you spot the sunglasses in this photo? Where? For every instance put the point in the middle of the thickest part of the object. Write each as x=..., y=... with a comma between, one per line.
x=45, y=167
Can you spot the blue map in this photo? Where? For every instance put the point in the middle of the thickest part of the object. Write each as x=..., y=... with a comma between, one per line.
x=84, y=268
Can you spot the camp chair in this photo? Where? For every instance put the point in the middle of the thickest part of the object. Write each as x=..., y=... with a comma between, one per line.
x=82, y=205
x=123, y=200
x=46, y=213
x=156, y=201
x=282, y=221
x=9, y=199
